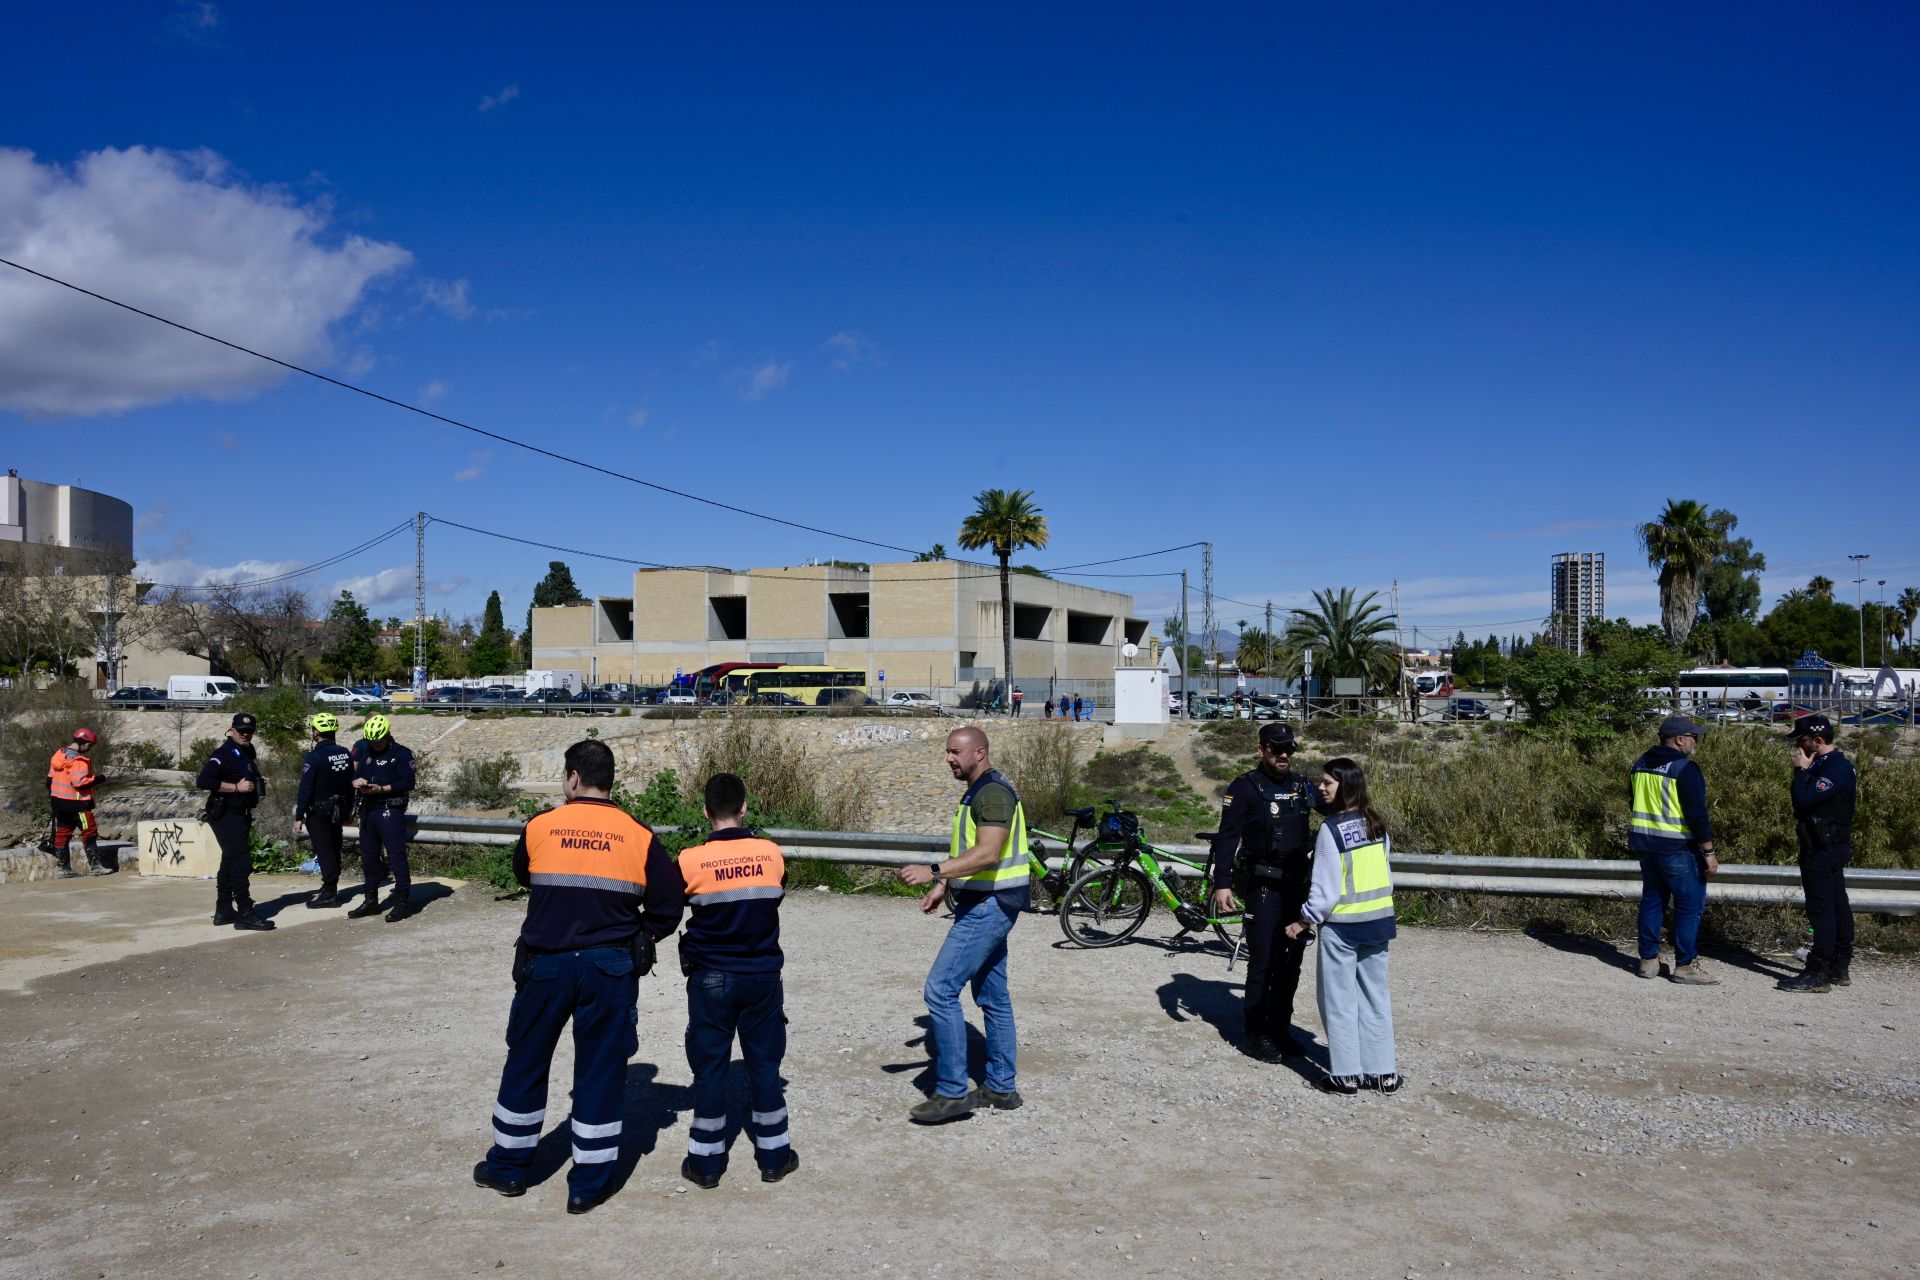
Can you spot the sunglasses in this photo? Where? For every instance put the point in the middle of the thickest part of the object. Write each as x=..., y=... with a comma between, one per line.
x=245, y=733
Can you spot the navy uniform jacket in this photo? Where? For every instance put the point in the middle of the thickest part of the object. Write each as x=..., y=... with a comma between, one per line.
x=733, y=884
x=230, y=762
x=1249, y=799
x=392, y=767
x=326, y=776
x=1823, y=798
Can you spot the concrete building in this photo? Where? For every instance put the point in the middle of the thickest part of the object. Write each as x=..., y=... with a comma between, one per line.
x=89, y=531
x=1578, y=594
x=926, y=625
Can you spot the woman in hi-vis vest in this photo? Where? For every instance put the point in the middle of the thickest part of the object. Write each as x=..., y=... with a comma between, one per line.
x=1351, y=900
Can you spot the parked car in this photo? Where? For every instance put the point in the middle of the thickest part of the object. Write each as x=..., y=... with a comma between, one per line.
x=678, y=696
x=1469, y=709
x=138, y=693
x=842, y=697
x=478, y=697
x=595, y=697
x=925, y=701
x=339, y=695
x=551, y=695
x=773, y=698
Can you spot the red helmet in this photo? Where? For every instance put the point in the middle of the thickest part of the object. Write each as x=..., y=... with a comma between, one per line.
x=85, y=735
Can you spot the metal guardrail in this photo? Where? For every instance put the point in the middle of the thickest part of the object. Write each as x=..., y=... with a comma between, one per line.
x=1889, y=892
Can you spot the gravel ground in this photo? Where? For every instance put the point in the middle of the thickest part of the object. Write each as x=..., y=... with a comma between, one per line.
x=298, y=1103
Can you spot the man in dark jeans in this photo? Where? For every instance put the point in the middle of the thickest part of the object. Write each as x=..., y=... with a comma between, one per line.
x=730, y=952
x=1824, y=790
x=1672, y=838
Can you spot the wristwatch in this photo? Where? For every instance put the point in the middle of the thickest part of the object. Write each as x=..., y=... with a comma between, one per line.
x=935, y=868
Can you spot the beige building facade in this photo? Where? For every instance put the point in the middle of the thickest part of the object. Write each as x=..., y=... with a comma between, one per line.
x=925, y=625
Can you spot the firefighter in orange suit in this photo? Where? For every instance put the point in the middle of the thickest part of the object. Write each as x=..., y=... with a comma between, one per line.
x=70, y=784
x=602, y=892
x=731, y=955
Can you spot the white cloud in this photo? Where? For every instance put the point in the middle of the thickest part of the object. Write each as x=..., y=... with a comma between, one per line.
x=392, y=584
x=638, y=418
x=178, y=234
x=765, y=380
x=182, y=571
x=476, y=463
x=851, y=350
x=435, y=390
x=449, y=296
x=500, y=99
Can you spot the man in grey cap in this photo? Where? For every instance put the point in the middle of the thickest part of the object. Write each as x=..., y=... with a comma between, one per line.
x=1674, y=841
x=1824, y=790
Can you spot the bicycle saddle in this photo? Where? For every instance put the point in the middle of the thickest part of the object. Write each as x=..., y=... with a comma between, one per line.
x=1206, y=835
x=1081, y=815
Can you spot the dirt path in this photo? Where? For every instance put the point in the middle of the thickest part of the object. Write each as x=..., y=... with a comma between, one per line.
x=313, y=1100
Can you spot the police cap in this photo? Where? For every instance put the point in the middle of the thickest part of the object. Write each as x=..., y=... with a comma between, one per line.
x=1277, y=736
x=243, y=722
x=1814, y=726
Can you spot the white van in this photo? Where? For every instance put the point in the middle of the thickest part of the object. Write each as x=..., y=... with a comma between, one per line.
x=211, y=689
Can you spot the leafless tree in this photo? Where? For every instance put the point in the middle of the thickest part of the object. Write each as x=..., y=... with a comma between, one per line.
x=266, y=629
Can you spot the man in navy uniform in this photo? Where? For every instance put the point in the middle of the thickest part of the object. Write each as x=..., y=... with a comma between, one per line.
x=231, y=779
x=325, y=800
x=383, y=778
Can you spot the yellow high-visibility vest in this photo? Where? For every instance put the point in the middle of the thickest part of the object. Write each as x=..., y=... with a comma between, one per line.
x=1011, y=871
x=1366, y=881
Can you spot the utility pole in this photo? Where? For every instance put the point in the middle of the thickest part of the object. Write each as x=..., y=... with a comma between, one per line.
x=1206, y=610
x=1269, y=662
x=419, y=603
x=1859, y=595
x=1186, y=642
x=112, y=645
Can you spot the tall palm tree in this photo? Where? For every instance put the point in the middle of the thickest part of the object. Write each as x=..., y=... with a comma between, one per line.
x=1349, y=636
x=1681, y=544
x=1821, y=588
x=1256, y=651
x=1006, y=521
x=1908, y=606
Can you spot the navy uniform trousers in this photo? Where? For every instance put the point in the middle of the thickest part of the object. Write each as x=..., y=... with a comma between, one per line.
x=599, y=990
x=232, y=885
x=719, y=1005
x=382, y=828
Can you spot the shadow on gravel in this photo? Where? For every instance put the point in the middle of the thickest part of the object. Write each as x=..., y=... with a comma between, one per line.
x=924, y=1081
x=1734, y=957
x=1219, y=1004
x=649, y=1107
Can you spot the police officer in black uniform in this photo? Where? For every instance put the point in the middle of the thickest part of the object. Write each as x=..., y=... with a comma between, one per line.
x=231, y=779
x=383, y=776
x=1265, y=851
x=1824, y=790
x=325, y=800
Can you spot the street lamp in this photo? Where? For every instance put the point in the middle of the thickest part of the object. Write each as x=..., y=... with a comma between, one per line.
x=1859, y=584
x=1883, y=622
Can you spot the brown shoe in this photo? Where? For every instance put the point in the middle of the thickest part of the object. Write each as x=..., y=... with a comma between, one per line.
x=1694, y=975
x=1650, y=968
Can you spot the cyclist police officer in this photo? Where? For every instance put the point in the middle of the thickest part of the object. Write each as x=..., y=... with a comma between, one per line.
x=1264, y=849
x=231, y=779
x=325, y=800
x=383, y=775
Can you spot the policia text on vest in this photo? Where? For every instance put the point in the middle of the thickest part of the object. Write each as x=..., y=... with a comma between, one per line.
x=986, y=876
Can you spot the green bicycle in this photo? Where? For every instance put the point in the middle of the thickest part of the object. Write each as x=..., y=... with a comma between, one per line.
x=1075, y=859
x=1107, y=904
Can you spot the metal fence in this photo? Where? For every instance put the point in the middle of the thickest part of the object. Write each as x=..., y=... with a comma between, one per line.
x=1895, y=892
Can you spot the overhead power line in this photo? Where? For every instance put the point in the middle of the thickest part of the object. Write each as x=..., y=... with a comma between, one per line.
x=290, y=574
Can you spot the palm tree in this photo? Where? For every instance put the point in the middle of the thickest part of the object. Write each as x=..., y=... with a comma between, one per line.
x=1256, y=651
x=1005, y=520
x=1348, y=635
x=1821, y=588
x=1681, y=544
x=1798, y=595
x=1908, y=606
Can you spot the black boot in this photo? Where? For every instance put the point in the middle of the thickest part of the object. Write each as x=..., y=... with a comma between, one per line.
x=65, y=859
x=249, y=921
x=1840, y=972
x=93, y=862
x=325, y=898
x=223, y=914
x=369, y=906
x=1812, y=979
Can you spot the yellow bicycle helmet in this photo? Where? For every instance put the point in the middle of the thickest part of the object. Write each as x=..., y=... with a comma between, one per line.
x=324, y=722
x=376, y=728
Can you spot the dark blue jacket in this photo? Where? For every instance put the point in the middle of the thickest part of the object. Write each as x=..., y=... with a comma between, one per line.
x=326, y=777
x=392, y=767
x=1823, y=799
x=230, y=762
x=732, y=931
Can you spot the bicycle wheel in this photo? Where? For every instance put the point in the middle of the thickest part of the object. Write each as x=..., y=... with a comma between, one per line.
x=1105, y=906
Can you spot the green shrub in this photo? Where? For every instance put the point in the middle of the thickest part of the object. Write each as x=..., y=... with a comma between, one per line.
x=141, y=755
x=272, y=856
x=37, y=723
x=484, y=784
x=1141, y=779
x=1045, y=768
x=196, y=754
x=280, y=716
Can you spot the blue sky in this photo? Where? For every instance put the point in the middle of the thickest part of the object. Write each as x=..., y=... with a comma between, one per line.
x=1425, y=294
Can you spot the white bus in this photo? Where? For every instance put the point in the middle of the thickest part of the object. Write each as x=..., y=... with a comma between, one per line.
x=1731, y=685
